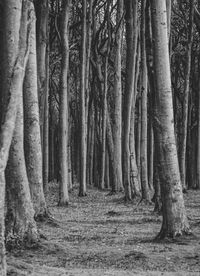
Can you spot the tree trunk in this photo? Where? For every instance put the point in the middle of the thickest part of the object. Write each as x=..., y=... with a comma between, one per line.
x=117, y=118
x=175, y=221
x=63, y=116
x=143, y=157
x=14, y=65
x=104, y=115
x=87, y=82
x=83, y=151
x=41, y=8
x=129, y=97
x=186, y=98
x=42, y=15
x=134, y=172
x=113, y=161
x=32, y=138
x=198, y=131
x=45, y=137
x=21, y=227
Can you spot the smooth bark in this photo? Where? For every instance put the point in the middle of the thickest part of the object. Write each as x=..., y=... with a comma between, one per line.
x=63, y=116
x=32, y=137
x=13, y=65
x=175, y=222
x=186, y=98
x=83, y=150
x=143, y=144
x=117, y=116
x=129, y=97
x=20, y=224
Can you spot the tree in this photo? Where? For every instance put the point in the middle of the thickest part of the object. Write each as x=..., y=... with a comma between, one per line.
x=129, y=95
x=20, y=224
x=83, y=150
x=13, y=65
x=63, y=116
x=42, y=15
x=175, y=222
x=104, y=108
x=143, y=144
x=184, y=127
x=117, y=95
x=32, y=136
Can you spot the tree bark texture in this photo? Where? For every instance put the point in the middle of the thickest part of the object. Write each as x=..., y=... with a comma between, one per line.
x=143, y=144
x=186, y=98
x=175, y=221
x=41, y=8
x=32, y=137
x=20, y=224
x=42, y=39
x=13, y=70
x=117, y=118
x=129, y=97
x=63, y=116
x=83, y=151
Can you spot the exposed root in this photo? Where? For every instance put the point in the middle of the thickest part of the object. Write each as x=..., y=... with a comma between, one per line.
x=63, y=203
x=174, y=237
x=28, y=239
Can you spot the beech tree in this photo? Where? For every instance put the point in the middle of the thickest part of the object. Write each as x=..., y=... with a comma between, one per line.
x=32, y=135
x=42, y=16
x=129, y=100
x=82, y=190
x=143, y=143
x=12, y=63
x=20, y=224
x=175, y=221
x=64, y=197
x=117, y=95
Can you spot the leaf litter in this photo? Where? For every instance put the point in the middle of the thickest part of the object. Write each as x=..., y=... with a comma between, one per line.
x=101, y=235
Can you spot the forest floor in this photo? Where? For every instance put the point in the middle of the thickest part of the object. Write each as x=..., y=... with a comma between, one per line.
x=101, y=235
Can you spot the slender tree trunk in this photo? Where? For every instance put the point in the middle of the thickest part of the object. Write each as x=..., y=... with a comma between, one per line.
x=198, y=140
x=175, y=221
x=104, y=109
x=91, y=148
x=135, y=176
x=143, y=157
x=70, y=181
x=129, y=97
x=41, y=8
x=104, y=115
x=46, y=129
x=83, y=151
x=64, y=196
x=186, y=98
x=42, y=15
x=111, y=149
x=156, y=183
x=32, y=139
x=87, y=83
x=117, y=118
x=150, y=153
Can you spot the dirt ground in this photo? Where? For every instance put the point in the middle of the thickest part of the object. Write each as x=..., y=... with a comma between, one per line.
x=101, y=235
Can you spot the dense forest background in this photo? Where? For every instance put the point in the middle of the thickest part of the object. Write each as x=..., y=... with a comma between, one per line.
x=97, y=94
